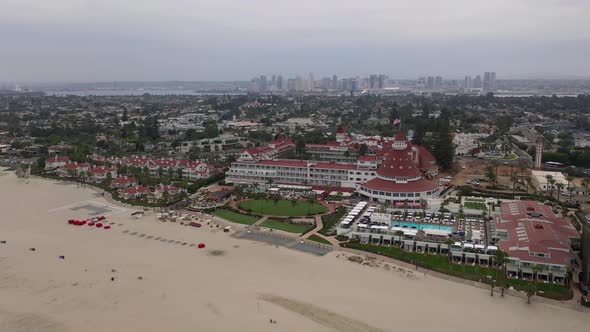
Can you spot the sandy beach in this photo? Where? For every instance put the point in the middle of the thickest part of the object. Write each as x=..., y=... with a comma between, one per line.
x=160, y=284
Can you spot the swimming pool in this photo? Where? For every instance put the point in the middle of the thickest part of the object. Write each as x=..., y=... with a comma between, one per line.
x=421, y=226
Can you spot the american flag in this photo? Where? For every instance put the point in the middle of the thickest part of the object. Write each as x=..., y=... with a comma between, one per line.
x=395, y=121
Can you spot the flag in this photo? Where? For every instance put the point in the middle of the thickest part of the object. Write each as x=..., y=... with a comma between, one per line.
x=396, y=121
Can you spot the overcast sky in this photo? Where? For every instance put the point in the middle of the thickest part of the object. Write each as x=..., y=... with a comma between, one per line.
x=123, y=40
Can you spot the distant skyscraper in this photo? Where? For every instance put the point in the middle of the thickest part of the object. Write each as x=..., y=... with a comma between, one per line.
x=494, y=87
x=489, y=81
x=263, y=83
x=310, y=82
x=382, y=79
x=335, y=82
x=273, y=82
x=353, y=85
x=299, y=84
x=467, y=83
x=430, y=83
x=438, y=83
x=280, y=83
x=373, y=81
x=477, y=82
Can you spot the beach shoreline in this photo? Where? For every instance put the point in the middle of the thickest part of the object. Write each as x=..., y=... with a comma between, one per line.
x=144, y=275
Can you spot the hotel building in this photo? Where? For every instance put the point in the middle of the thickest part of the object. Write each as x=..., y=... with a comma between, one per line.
x=395, y=170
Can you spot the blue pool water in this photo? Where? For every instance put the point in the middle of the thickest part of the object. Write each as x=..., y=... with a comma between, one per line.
x=422, y=226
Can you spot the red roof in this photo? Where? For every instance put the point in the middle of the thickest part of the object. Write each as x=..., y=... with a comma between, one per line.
x=167, y=188
x=534, y=229
x=123, y=180
x=74, y=166
x=367, y=158
x=399, y=163
x=305, y=164
x=57, y=160
x=391, y=186
x=340, y=130
x=101, y=170
x=135, y=190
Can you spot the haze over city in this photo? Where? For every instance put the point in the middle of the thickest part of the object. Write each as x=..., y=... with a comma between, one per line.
x=89, y=41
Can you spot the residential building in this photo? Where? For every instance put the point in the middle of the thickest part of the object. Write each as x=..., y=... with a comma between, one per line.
x=220, y=143
x=100, y=174
x=541, y=183
x=534, y=236
x=136, y=192
x=72, y=169
x=123, y=182
x=55, y=163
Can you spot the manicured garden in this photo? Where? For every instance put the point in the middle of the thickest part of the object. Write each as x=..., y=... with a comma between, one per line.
x=286, y=226
x=475, y=205
x=441, y=264
x=282, y=207
x=330, y=220
x=318, y=239
x=235, y=217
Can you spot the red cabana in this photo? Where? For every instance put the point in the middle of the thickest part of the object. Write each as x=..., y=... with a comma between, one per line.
x=201, y=245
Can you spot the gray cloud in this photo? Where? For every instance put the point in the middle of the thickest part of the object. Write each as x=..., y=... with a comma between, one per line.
x=75, y=40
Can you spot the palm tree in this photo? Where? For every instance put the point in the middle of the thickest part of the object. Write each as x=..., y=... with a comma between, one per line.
x=569, y=187
x=399, y=234
x=551, y=183
x=530, y=289
x=536, y=270
x=423, y=205
x=529, y=183
x=449, y=242
x=585, y=184
x=559, y=188
x=500, y=260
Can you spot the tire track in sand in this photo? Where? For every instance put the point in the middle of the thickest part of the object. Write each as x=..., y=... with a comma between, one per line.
x=319, y=315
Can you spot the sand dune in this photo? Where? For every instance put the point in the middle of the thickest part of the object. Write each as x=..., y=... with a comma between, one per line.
x=145, y=275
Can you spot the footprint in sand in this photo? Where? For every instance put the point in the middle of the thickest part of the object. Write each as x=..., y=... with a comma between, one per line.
x=177, y=242
x=184, y=243
x=134, y=233
x=141, y=235
x=149, y=237
x=126, y=231
x=170, y=241
x=158, y=238
x=191, y=245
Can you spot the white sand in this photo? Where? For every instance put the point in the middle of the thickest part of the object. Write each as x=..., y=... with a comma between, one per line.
x=185, y=289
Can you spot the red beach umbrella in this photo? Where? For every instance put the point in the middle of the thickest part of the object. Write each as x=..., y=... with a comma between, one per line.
x=91, y=224
x=201, y=245
x=98, y=225
x=107, y=227
x=83, y=222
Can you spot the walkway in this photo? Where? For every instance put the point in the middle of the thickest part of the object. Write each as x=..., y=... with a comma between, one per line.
x=319, y=225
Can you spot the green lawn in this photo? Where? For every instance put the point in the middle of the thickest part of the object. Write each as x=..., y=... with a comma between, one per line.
x=235, y=217
x=475, y=205
x=287, y=227
x=319, y=239
x=282, y=207
x=441, y=264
